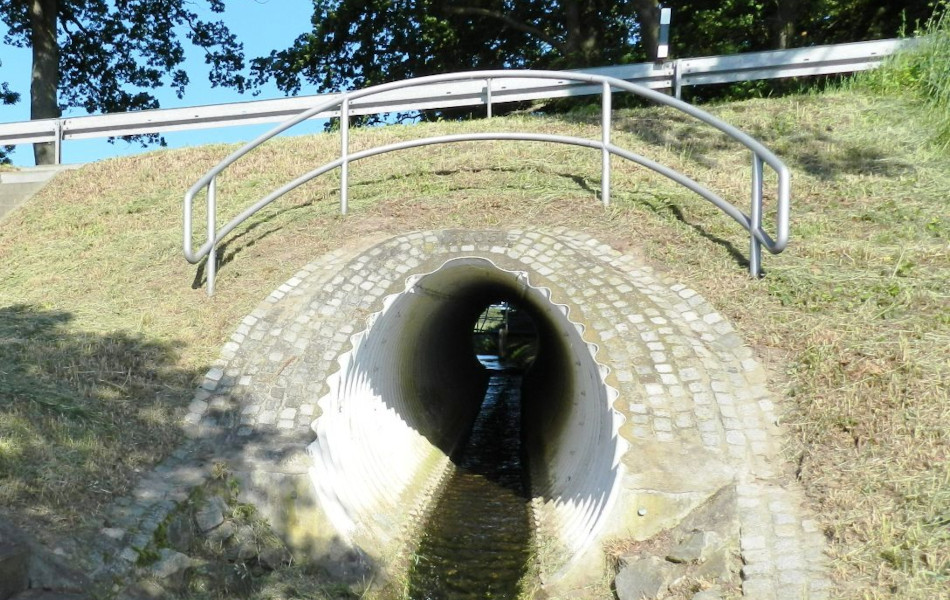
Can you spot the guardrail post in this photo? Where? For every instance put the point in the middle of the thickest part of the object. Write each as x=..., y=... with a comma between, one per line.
x=677, y=80
x=488, y=96
x=210, y=264
x=755, y=224
x=344, y=153
x=605, y=137
x=58, y=142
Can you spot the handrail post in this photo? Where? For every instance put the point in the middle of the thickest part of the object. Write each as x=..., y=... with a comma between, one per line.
x=210, y=264
x=755, y=224
x=344, y=153
x=488, y=96
x=605, y=153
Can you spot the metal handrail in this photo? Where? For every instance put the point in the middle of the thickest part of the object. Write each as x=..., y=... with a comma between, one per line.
x=348, y=103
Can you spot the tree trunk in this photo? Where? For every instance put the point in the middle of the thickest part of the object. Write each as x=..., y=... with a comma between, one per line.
x=45, y=77
x=572, y=21
x=648, y=16
x=582, y=24
x=783, y=23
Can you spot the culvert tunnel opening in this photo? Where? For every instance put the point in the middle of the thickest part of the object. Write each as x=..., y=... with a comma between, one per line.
x=505, y=337
x=410, y=389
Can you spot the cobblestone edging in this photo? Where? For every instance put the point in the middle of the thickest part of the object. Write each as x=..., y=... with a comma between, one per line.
x=688, y=386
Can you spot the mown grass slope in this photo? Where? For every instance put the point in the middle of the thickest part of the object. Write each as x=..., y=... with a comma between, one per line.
x=104, y=328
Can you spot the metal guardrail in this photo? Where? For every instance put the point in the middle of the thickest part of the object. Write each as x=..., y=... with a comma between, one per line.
x=675, y=75
x=350, y=103
x=775, y=64
x=275, y=111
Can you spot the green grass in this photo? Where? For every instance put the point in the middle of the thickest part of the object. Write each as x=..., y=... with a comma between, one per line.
x=104, y=328
x=922, y=72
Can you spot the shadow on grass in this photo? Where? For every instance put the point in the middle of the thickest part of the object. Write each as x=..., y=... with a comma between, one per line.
x=811, y=147
x=661, y=207
x=820, y=151
x=579, y=180
x=228, y=250
x=248, y=236
x=739, y=257
x=84, y=415
x=682, y=135
x=81, y=412
x=815, y=158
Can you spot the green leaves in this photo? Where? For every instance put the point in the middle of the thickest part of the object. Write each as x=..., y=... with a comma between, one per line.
x=112, y=54
x=356, y=44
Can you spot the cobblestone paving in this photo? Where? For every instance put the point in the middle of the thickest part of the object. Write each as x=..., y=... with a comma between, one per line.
x=685, y=379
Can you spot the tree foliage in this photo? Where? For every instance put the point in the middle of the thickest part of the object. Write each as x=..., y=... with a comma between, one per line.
x=710, y=27
x=713, y=27
x=834, y=21
x=357, y=43
x=7, y=96
x=108, y=55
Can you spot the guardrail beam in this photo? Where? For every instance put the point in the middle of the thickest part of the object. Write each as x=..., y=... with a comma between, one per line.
x=818, y=60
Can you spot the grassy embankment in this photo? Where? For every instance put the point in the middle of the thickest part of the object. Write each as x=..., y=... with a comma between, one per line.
x=102, y=333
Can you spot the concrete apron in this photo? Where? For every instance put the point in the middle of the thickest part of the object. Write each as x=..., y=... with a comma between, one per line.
x=339, y=398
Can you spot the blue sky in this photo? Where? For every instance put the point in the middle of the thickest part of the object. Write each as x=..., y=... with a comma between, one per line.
x=262, y=25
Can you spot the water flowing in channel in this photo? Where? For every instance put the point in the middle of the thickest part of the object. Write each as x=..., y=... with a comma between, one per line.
x=476, y=543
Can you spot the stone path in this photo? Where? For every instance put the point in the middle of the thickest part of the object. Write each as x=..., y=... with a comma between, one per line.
x=695, y=407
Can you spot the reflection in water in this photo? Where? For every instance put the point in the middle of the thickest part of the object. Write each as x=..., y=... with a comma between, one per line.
x=477, y=541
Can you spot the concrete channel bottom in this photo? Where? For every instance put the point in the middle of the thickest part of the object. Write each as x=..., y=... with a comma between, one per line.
x=338, y=400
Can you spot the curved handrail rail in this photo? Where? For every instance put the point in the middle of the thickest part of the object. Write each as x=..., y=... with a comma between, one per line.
x=345, y=101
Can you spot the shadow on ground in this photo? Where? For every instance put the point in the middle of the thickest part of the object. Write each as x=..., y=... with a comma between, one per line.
x=81, y=413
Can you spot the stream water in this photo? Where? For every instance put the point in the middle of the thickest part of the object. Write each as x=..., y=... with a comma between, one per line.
x=476, y=543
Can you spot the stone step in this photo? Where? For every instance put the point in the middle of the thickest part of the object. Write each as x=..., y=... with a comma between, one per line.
x=34, y=174
x=16, y=187
x=31, y=176
x=13, y=195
